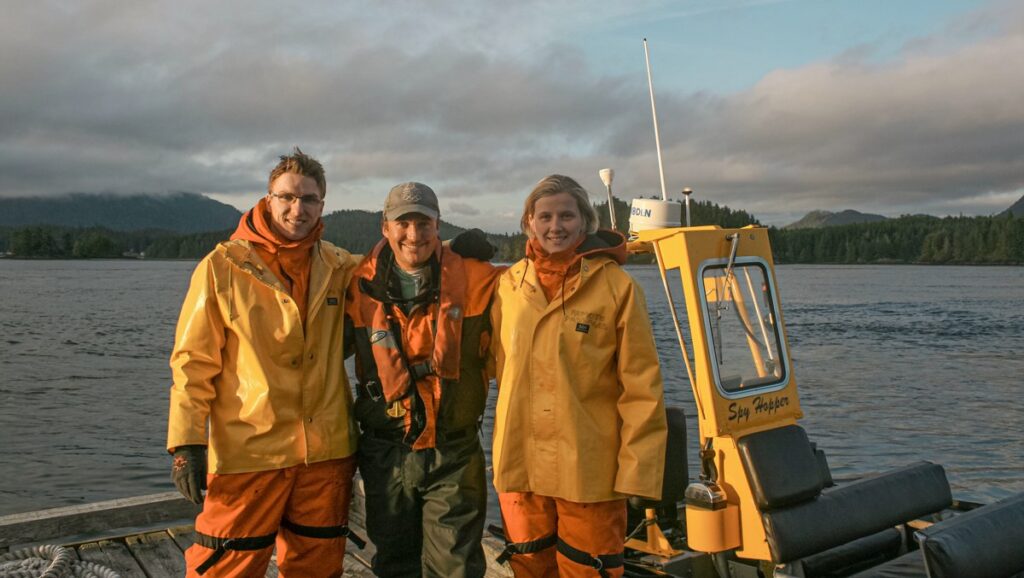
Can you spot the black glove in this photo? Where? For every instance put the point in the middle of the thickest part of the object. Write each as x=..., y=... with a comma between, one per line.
x=189, y=472
x=473, y=244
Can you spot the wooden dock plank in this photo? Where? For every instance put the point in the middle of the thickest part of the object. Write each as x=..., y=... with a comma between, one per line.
x=113, y=555
x=492, y=548
x=357, y=507
x=158, y=554
x=363, y=556
x=356, y=569
x=30, y=527
x=357, y=524
x=184, y=536
x=272, y=567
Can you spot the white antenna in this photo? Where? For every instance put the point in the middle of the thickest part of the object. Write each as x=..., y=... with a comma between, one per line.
x=686, y=193
x=654, y=113
x=606, y=177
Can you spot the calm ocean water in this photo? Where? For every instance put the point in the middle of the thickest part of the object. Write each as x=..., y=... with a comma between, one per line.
x=894, y=363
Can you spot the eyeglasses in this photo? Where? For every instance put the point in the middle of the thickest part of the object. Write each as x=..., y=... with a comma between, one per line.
x=307, y=200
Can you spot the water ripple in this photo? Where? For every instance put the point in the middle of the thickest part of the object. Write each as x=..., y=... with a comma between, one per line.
x=894, y=364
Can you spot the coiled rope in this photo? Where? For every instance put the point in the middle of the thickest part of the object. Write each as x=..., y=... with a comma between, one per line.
x=50, y=561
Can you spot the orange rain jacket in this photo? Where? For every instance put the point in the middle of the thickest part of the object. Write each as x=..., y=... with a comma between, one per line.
x=450, y=332
x=580, y=413
x=274, y=394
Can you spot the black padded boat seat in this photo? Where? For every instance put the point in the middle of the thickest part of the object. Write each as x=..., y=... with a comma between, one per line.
x=823, y=469
x=983, y=542
x=852, y=556
x=909, y=565
x=677, y=474
x=781, y=466
x=856, y=509
x=986, y=541
x=787, y=476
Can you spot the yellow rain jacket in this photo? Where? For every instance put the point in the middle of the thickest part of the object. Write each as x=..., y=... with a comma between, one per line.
x=580, y=412
x=274, y=395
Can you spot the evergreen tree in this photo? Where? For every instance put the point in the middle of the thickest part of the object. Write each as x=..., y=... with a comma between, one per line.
x=94, y=244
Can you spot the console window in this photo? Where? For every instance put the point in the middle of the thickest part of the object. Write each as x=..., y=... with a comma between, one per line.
x=745, y=340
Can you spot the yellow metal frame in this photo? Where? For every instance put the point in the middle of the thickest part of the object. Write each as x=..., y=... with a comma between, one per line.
x=724, y=418
x=655, y=543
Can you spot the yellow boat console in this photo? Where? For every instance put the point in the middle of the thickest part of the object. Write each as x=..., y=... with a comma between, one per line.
x=741, y=374
x=765, y=502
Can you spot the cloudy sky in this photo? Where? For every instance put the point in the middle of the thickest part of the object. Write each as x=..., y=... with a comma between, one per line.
x=776, y=107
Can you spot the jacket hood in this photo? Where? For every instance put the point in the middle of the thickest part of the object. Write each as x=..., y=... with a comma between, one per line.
x=255, y=227
x=289, y=260
x=603, y=242
x=554, y=269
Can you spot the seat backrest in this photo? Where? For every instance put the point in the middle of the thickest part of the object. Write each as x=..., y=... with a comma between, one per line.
x=781, y=466
x=986, y=541
x=823, y=469
x=677, y=474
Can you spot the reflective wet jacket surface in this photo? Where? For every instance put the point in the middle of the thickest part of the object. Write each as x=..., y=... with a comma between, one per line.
x=274, y=394
x=580, y=412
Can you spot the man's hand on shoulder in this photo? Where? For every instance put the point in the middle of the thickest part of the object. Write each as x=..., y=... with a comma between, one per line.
x=473, y=244
x=189, y=472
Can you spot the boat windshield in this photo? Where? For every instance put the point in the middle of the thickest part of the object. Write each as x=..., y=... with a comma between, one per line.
x=741, y=315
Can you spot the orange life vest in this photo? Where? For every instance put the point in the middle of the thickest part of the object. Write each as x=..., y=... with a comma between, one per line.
x=411, y=355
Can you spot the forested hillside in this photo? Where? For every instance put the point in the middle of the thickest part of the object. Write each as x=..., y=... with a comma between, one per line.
x=179, y=212
x=357, y=231
x=908, y=239
x=51, y=242
x=816, y=219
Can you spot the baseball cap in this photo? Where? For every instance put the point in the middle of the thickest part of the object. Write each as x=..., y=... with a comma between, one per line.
x=411, y=198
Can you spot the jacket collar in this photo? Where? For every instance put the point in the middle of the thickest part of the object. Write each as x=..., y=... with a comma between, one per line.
x=378, y=281
x=242, y=255
x=524, y=279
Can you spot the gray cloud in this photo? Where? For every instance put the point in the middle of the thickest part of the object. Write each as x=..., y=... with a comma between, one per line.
x=464, y=209
x=150, y=97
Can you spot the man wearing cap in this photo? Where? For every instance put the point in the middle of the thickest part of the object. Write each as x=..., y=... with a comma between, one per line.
x=419, y=316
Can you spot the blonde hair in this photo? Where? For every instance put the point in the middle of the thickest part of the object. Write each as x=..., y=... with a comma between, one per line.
x=301, y=164
x=552, y=185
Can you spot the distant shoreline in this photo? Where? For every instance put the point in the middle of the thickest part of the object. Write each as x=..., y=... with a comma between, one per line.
x=777, y=263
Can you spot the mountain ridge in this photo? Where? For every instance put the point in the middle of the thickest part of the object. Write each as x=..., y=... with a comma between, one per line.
x=822, y=218
x=1016, y=209
x=187, y=212
x=180, y=212
x=995, y=239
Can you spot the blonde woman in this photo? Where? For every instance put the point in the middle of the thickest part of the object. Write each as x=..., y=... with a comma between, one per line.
x=580, y=423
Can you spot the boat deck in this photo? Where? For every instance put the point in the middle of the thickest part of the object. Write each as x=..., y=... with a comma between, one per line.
x=160, y=554
x=156, y=531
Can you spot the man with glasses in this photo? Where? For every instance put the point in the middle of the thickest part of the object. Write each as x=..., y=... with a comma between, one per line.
x=258, y=380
